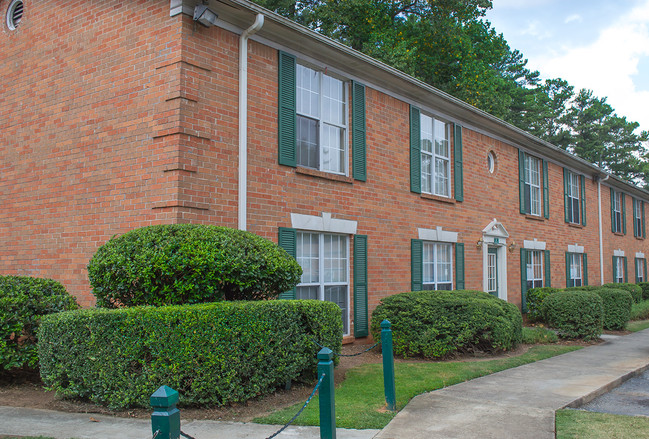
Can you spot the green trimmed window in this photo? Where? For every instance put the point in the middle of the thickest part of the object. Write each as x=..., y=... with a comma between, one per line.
x=640, y=270
x=638, y=219
x=619, y=269
x=432, y=265
x=576, y=269
x=533, y=185
x=574, y=197
x=618, y=214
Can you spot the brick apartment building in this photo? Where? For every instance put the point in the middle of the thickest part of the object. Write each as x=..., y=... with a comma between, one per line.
x=122, y=114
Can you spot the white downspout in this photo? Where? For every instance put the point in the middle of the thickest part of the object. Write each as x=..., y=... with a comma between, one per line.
x=601, y=242
x=243, y=119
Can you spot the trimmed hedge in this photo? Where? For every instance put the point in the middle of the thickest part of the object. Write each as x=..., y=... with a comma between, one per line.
x=535, y=297
x=189, y=263
x=435, y=324
x=23, y=301
x=574, y=314
x=617, y=307
x=635, y=290
x=645, y=289
x=212, y=354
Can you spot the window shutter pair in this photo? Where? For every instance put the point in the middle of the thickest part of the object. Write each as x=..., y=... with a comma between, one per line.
x=287, y=240
x=415, y=156
x=584, y=268
x=416, y=265
x=566, y=199
x=615, y=258
x=521, y=185
x=287, y=117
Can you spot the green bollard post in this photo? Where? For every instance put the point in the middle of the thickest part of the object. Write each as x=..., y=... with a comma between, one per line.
x=165, y=418
x=388, y=365
x=327, y=404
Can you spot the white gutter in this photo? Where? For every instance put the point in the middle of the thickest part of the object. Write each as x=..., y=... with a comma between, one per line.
x=601, y=242
x=243, y=119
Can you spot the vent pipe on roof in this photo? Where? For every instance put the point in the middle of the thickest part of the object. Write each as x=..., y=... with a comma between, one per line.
x=243, y=119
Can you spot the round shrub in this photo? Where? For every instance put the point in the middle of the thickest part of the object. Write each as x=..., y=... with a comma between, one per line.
x=645, y=290
x=574, y=314
x=189, y=263
x=534, y=299
x=23, y=301
x=212, y=354
x=435, y=324
x=635, y=290
x=617, y=307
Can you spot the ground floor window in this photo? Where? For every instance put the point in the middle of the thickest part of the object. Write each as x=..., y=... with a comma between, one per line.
x=534, y=269
x=618, y=269
x=574, y=269
x=640, y=269
x=324, y=259
x=437, y=258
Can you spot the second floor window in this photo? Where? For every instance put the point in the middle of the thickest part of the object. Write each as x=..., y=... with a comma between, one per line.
x=572, y=188
x=321, y=128
x=617, y=212
x=435, y=157
x=532, y=190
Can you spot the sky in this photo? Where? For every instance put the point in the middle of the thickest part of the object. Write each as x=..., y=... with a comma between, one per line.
x=601, y=45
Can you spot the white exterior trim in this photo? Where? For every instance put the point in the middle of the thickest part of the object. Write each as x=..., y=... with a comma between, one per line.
x=618, y=253
x=323, y=223
x=575, y=249
x=495, y=235
x=437, y=234
x=534, y=245
x=639, y=255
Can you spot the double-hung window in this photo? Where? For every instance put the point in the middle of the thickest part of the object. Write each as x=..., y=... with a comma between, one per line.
x=572, y=188
x=619, y=269
x=575, y=263
x=534, y=269
x=321, y=129
x=640, y=270
x=617, y=211
x=437, y=266
x=532, y=189
x=638, y=219
x=324, y=259
x=435, y=156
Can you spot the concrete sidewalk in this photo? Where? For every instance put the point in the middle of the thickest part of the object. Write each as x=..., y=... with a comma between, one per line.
x=520, y=402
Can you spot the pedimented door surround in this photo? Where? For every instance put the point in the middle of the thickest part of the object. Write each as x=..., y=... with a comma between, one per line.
x=495, y=236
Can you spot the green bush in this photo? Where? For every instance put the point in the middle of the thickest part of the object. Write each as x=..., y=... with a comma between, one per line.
x=539, y=335
x=617, y=307
x=189, y=263
x=212, y=354
x=534, y=298
x=645, y=290
x=435, y=324
x=640, y=311
x=574, y=314
x=23, y=301
x=635, y=290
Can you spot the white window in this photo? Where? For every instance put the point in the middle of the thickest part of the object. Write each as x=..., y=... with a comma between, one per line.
x=534, y=269
x=619, y=270
x=639, y=269
x=532, y=193
x=617, y=212
x=437, y=266
x=637, y=217
x=321, y=121
x=435, y=157
x=573, y=198
x=575, y=269
x=324, y=259
x=492, y=281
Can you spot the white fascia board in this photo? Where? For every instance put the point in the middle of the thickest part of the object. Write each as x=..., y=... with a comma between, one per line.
x=324, y=223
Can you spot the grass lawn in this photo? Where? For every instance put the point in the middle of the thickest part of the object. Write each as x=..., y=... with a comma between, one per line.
x=573, y=424
x=360, y=399
x=637, y=325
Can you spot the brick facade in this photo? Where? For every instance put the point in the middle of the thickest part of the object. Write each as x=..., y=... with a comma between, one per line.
x=117, y=115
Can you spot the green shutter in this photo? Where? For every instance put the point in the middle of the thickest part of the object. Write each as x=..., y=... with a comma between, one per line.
x=521, y=181
x=635, y=225
x=584, y=273
x=547, y=281
x=287, y=115
x=415, y=150
x=612, y=211
x=567, y=269
x=359, y=142
x=360, y=286
x=582, y=180
x=566, y=200
x=523, y=280
x=623, y=213
x=416, y=262
x=626, y=277
x=644, y=234
x=459, y=177
x=459, y=266
x=546, y=192
x=644, y=269
x=287, y=240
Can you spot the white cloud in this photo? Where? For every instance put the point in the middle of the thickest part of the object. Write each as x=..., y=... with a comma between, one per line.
x=607, y=65
x=573, y=17
x=537, y=30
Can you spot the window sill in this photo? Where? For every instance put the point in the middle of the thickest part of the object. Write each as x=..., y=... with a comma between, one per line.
x=618, y=233
x=322, y=174
x=576, y=226
x=534, y=217
x=639, y=238
x=438, y=198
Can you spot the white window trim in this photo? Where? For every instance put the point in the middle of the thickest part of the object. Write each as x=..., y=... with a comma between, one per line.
x=575, y=248
x=542, y=264
x=639, y=255
x=433, y=155
x=452, y=261
x=534, y=245
x=617, y=210
x=572, y=196
x=619, y=270
x=580, y=264
x=324, y=223
x=618, y=253
x=528, y=181
x=437, y=234
x=640, y=268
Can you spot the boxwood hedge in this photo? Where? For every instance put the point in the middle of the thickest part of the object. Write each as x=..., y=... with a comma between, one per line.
x=635, y=290
x=574, y=314
x=182, y=264
x=23, y=301
x=213, y=354
x=645, y=290
x=535, y=297
x=435, y=324
x=617, y=305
